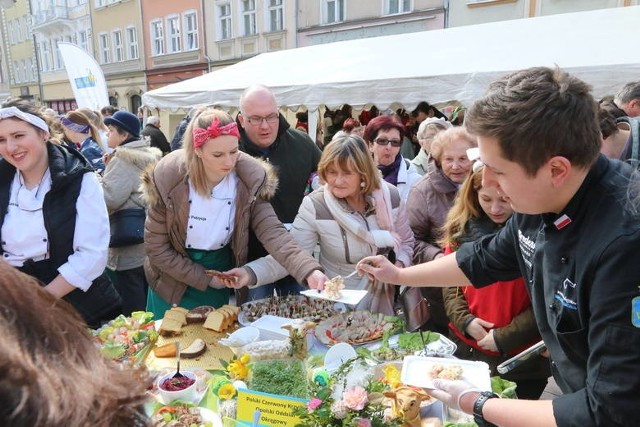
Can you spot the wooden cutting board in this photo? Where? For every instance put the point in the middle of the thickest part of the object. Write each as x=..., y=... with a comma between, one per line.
x=209, y=360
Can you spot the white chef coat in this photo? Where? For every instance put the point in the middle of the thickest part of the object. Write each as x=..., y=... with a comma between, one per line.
x=25, y=237
x=211, y=219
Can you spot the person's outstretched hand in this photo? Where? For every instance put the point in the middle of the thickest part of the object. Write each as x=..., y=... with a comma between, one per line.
x=379, y=267
x=242, y=278
x=452, y=394
x=316, y=280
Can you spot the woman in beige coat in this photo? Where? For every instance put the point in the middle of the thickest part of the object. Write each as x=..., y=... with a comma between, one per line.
x=203, y=201
x=121, y=186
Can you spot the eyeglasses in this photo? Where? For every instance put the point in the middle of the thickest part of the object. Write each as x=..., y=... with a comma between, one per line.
x=385, y=141
x=257, y=120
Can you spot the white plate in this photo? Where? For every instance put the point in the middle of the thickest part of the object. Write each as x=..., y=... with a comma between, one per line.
x=415, y=371
x=209, y=415
x=444, y=347
x=337, y=355
x=348, y=296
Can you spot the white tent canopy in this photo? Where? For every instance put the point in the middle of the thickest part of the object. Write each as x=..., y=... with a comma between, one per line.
x=456, y=63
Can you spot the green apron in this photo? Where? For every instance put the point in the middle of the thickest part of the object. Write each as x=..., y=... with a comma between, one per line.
x=221, y=260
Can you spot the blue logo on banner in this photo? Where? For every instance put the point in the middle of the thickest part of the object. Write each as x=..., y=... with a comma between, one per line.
x=635, y=312
x=84, y=82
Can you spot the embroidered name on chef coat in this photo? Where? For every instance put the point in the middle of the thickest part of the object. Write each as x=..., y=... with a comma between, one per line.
x=211, y=219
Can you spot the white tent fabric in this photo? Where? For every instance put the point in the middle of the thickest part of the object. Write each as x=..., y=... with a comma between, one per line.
x=458, y=63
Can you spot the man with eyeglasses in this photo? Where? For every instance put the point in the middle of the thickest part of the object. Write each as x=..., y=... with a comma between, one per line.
x=265, y=134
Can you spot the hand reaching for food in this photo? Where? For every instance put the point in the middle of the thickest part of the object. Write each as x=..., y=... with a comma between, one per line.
x=316, y=280
x=379, y=267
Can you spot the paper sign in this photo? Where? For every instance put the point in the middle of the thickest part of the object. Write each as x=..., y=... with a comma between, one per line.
x=277, y=411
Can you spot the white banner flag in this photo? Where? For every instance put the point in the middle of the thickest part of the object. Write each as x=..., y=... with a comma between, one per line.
x=85, y=76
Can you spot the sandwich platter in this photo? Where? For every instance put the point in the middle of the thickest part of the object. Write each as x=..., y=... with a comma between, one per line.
x=356, y=327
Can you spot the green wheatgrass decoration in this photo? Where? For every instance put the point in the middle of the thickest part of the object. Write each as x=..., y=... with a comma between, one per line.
x=283, y=377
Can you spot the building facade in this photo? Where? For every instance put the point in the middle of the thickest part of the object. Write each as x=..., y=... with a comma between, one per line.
x=326, y=21
x=173, y=41
x=468, y=12
x=19, y=65
x=117, y=43
x=238, y=29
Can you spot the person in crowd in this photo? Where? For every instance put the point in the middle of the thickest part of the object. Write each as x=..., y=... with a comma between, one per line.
x=181, y=128
x=96, y=119
x=203, y=201
x=156, y=136
x=427, y=131
x=496, y=322
x=302, y=123
x=354, y=214
x=615, y=135
x=570, y=237
x=265, y=134
x=54, y=223
x=430, y=201
x=457, y=116
x=628, y=99
x=121, y=185
x=52, y=372
x=79, y=130
x=108, y=111
x=384, y=136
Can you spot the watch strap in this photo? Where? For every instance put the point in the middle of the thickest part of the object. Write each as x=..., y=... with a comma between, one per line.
x=477, y=409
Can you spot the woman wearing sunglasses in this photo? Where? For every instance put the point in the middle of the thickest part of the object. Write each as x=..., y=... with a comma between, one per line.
x=430, y=201
x=53, y=219
x=384, y=136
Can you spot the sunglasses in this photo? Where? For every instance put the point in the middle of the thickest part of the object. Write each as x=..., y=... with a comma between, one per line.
x=385, y=141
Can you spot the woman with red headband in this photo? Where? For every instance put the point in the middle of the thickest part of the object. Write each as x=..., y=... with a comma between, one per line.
x=203, y=202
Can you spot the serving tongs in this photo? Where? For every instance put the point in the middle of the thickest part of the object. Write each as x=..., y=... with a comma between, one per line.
x=522, y=357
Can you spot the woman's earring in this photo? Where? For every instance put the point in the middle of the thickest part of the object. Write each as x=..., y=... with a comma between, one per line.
x=362, y=184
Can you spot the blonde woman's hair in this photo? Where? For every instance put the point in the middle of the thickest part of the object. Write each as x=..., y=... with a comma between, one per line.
x=465, y=206
x=350, y=153
x=445, y=138
x=195, y=168
x=95, y=117
x=80, y=118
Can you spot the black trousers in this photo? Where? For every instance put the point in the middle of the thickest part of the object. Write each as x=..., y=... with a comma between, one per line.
x=132, y=287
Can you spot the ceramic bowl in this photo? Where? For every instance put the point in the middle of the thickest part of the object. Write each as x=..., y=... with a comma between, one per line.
x=188, y=394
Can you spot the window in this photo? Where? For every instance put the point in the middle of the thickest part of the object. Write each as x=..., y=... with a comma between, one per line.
x=25, y=72
x=45, y=56
x=334, y=11
x=18, y=30
x=17, y=72
x=82, y=40
x=190, y=31
x=132, y=42
x=118, y=48
x=105, y=51
x=58, y=63
x=276, y=15
x=12, y=31
x=225, y=21
x=25, y=28
x=249, y=17
x=157, y=37
x=30, y=73
x=397, y=6
x=173, y=28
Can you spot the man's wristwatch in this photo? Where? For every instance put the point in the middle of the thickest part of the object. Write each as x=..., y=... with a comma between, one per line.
x=477, y=409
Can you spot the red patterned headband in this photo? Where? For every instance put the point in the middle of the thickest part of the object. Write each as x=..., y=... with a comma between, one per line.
x=201, y=136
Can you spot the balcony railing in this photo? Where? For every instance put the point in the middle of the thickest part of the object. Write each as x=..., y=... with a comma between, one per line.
x=50, y=15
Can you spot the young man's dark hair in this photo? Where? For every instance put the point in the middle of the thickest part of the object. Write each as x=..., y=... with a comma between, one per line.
x=536, y=114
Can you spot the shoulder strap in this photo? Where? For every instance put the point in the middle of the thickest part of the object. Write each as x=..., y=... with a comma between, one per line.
x=634, y=122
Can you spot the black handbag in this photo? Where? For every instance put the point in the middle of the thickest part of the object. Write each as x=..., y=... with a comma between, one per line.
x=416, y=308
x=127, y=227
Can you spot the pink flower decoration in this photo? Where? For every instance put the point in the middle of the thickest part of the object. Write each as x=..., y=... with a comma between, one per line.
x=355, y=398
x=363, y=422
x=314, y=403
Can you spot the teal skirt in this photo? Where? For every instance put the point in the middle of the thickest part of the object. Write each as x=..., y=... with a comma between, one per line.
x=221, y=260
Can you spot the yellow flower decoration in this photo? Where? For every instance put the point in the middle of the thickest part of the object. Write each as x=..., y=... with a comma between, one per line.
x=238, y=368
x=226, y=391
x=392, y=376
